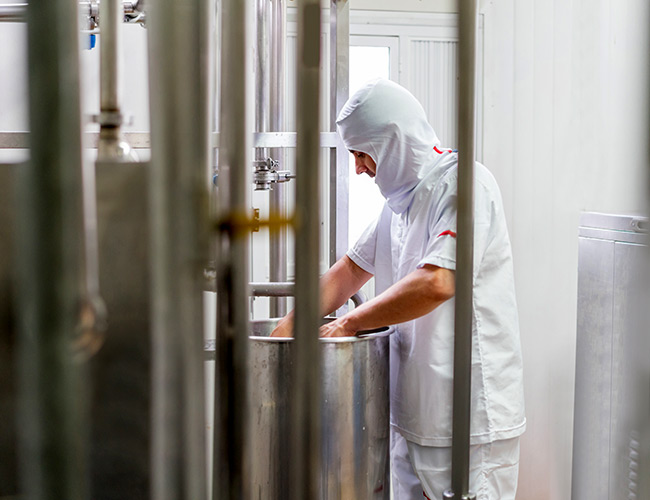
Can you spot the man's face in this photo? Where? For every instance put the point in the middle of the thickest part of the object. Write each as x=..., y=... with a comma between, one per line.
x=364, y=164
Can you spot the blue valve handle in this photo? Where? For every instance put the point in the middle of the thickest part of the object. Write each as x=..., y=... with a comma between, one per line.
x=92, y=40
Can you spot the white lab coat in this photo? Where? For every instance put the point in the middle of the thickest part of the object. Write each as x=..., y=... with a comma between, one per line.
x=417, y=227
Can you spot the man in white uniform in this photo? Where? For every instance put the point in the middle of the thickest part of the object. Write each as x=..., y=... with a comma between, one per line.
x=411, y=251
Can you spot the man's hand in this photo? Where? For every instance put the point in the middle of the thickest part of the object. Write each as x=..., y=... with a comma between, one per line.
x=284, y=328
x=337, y=328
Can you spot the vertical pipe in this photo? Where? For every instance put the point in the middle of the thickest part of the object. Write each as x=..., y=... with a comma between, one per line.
x=278, y=198
x=110, y=145
x=305, y=403
x=231, y=455
x=110, y=14
x=339, y=157
x=52, y=419
x=178, y=76
x=262, y=86
x=464, y=251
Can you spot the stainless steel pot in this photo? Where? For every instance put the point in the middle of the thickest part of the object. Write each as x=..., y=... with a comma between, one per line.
x=355, y=415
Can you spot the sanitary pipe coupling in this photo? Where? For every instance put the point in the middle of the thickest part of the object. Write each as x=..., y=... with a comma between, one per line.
x=266, y=173
x=134, y=12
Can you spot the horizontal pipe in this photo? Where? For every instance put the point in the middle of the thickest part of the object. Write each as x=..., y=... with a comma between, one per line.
x=141, y=140
x=287, y=288
x=13, y=12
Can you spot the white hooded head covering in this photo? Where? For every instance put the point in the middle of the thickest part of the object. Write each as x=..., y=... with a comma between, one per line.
x=385, y=121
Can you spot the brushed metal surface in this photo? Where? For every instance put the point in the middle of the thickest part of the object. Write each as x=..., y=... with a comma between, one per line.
x=593, y=371
x=611, y=321
x=120, y=372
x=354, y=412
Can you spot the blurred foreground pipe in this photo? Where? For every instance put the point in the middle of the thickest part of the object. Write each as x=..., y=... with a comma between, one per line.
x=464, y=253
x=52, y=424
x=305, y=395
x=231, y=471
x=178, y=77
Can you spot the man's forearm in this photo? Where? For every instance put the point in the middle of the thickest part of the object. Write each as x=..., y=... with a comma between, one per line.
x=415, y=295
x=339, y=283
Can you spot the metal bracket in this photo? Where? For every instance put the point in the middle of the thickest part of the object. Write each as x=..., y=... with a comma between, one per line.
x=256, y=220
x=450, y=495
x=134, y=13
x=111, y=119
x=640, y=225
x=240, y=224
x=266, y=174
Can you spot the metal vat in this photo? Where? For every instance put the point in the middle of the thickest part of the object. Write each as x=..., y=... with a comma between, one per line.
x=354, y=410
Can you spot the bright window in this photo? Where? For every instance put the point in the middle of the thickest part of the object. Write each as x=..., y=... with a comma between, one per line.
x=370, y=57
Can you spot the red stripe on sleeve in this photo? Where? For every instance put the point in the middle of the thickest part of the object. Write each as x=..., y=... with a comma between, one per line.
x=447, y=233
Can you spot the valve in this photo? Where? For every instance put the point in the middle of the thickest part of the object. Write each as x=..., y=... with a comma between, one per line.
x=266, y=174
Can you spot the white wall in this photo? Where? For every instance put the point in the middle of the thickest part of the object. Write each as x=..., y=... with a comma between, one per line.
x=565, y=131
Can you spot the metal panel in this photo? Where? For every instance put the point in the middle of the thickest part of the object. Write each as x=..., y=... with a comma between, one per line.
x=593, y=368
x=629, y=259
x=121, y=370
x=610, y=302
x=629, y=223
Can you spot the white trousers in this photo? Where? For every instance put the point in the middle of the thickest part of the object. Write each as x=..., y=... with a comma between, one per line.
x=421, y=472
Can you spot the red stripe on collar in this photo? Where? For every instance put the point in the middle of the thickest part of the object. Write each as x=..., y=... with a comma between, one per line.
x=447, y=233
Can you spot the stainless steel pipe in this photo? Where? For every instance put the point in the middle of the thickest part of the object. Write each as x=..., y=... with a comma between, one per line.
x=262, y=71
x=278, y=201
x=110, y=146
x=464, y=252
x=287, y=289
x=178, y=75
x=13, y=12
x=110, y=15
x=354, y=406
x=50, y=257
x=305, y=394
x=339, y=157
x=231, y=441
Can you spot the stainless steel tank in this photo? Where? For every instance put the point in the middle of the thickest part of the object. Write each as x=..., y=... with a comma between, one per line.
x=354, y=410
